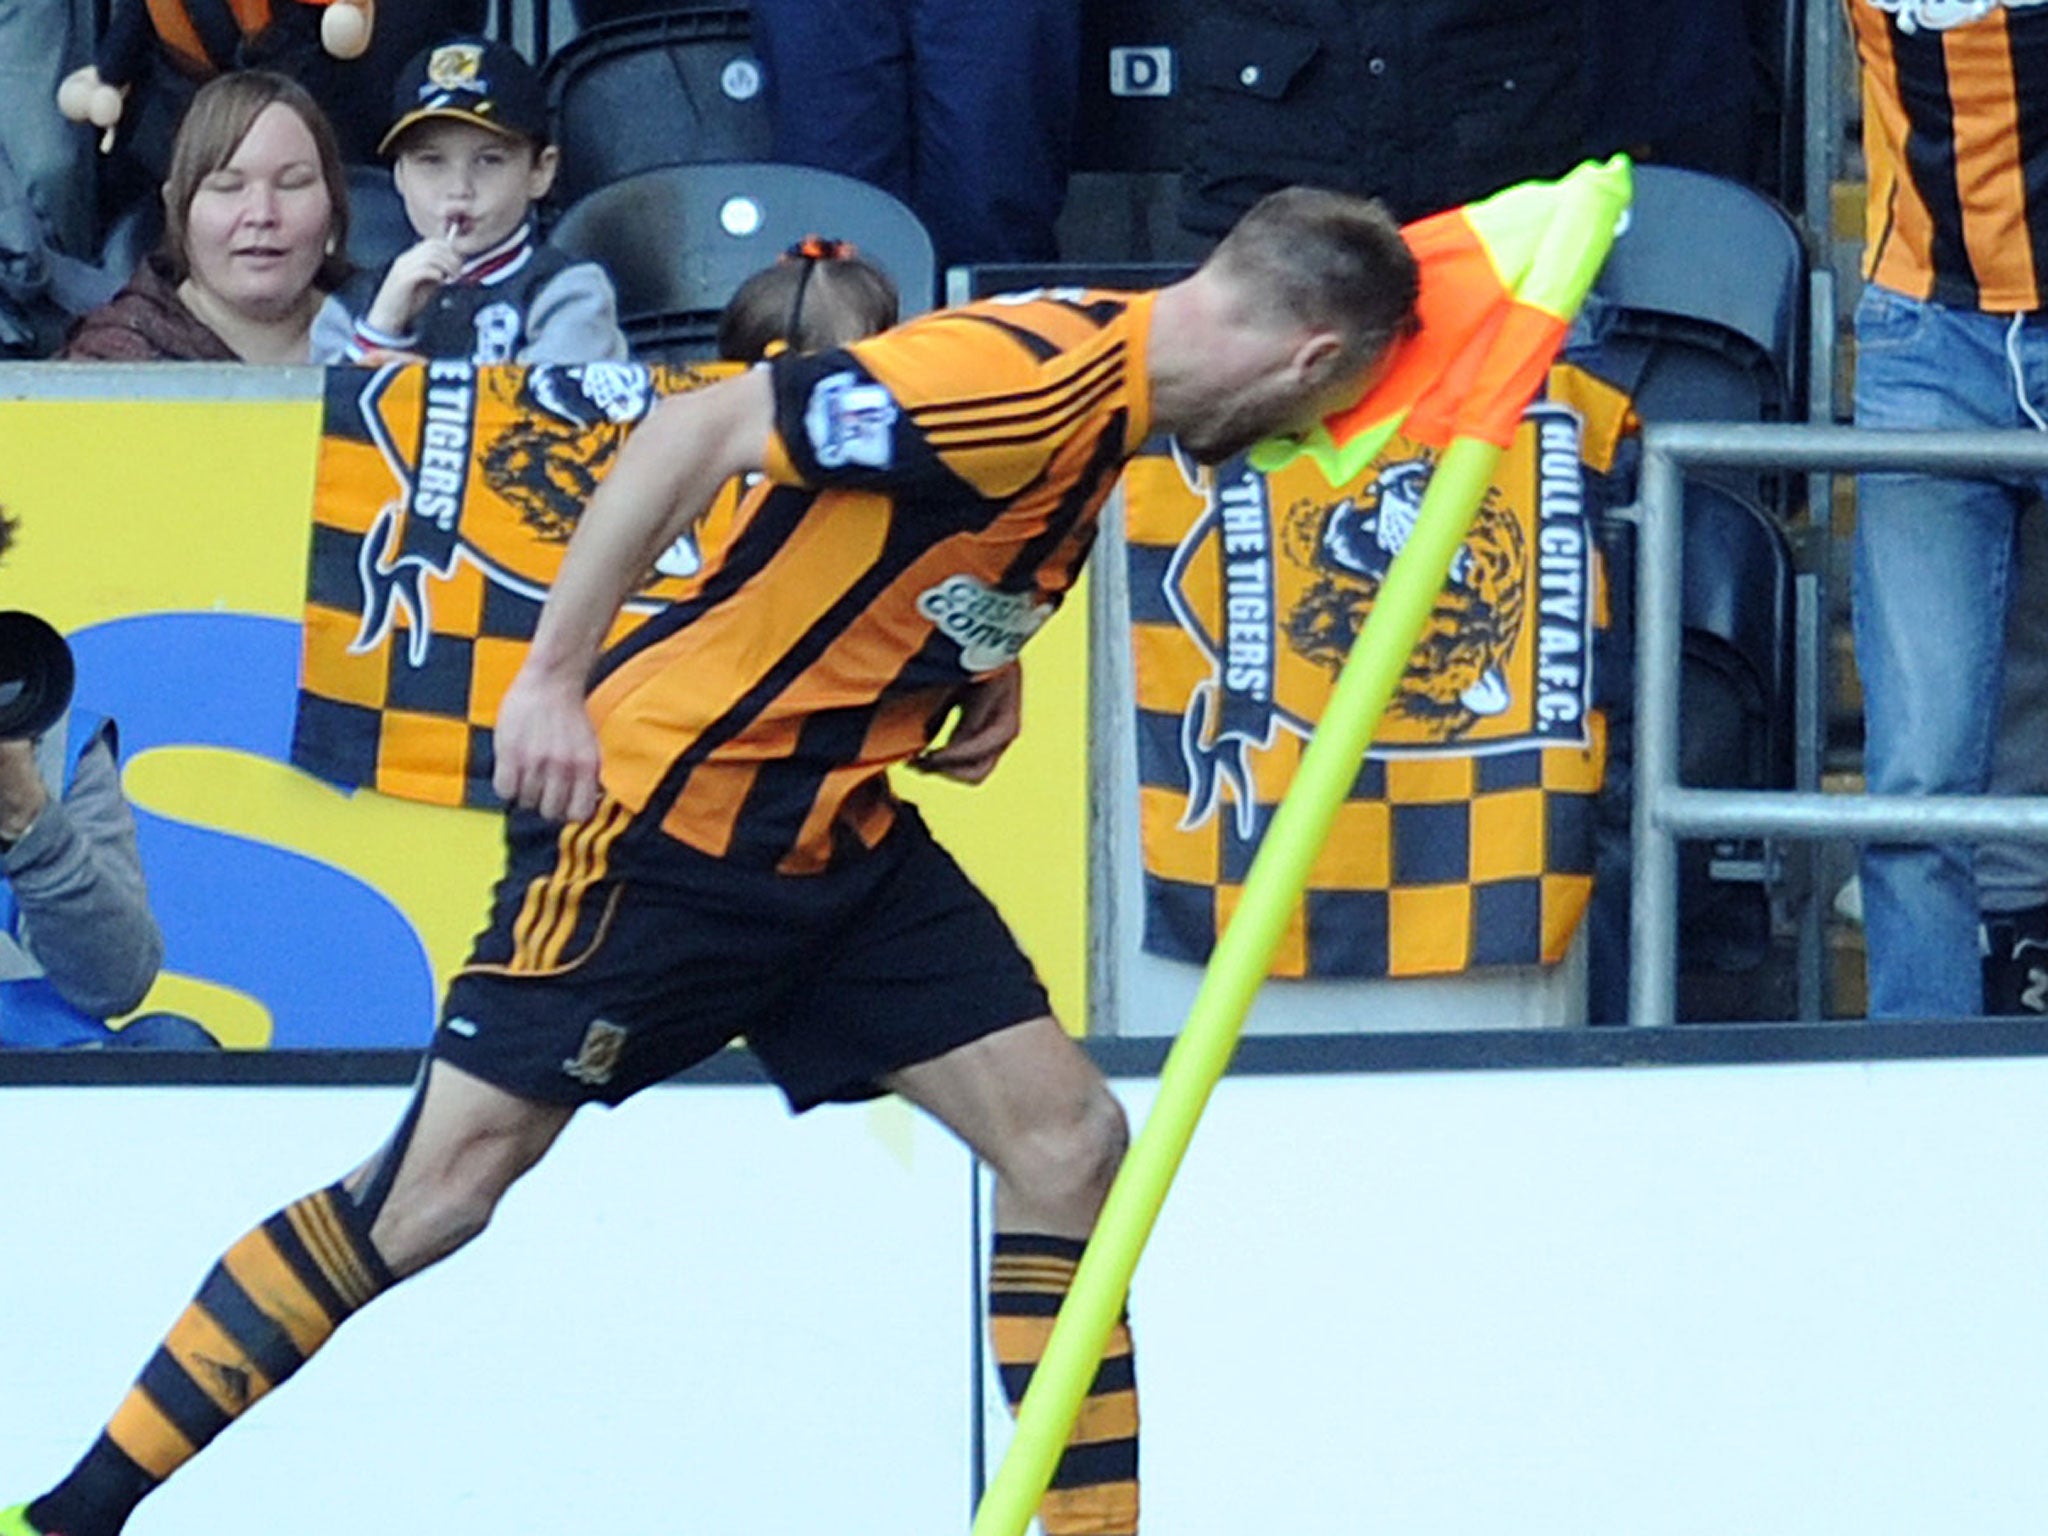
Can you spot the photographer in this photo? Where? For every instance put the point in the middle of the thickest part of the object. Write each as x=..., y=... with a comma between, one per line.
x=78, y=944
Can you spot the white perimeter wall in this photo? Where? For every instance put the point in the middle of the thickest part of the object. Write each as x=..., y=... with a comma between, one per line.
x=1770, y=1299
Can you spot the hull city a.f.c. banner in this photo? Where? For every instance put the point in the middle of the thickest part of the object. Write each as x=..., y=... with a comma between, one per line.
x=1466, y=840
x=444, y=497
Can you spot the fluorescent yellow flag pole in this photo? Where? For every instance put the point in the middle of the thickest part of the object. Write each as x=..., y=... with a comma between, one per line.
x=1243, y=956
x=1557, y=248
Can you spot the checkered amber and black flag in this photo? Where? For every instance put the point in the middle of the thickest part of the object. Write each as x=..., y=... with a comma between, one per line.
x=444, y=497
x=1466, y=840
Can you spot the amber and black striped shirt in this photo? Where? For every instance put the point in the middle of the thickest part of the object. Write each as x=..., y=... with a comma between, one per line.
x=930, y=496
x=1955, y=130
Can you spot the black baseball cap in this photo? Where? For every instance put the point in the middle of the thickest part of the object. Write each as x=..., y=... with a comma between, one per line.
x=472, y=80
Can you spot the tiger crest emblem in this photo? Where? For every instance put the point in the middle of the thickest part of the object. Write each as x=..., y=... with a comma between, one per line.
x=548, y=458
x=1456, y=675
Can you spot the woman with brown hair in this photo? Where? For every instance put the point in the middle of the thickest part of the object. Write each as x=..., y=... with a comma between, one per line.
x=255, y=224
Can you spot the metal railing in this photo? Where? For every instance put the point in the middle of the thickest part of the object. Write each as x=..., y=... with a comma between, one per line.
x=1665, y=811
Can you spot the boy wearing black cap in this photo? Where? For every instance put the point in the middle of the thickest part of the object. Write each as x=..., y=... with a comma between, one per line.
x=470, y=157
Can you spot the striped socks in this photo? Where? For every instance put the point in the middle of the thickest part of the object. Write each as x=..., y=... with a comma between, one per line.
x=271, y=1301
x=1094, y=1489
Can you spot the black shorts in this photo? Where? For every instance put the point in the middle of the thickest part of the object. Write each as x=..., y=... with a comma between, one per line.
x=608, y=966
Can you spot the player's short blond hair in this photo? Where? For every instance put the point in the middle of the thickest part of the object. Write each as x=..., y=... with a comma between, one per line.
x=1326, y=259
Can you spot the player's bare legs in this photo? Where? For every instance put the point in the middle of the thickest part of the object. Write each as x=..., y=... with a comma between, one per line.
x=1033, y=1107
x=279, y=1293
x=471, y=1141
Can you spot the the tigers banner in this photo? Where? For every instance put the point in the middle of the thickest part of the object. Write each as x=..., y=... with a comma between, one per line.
x=444, y=497
x=1466, y=839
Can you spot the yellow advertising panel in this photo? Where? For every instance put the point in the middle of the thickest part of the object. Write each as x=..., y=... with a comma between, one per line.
x=167, y=537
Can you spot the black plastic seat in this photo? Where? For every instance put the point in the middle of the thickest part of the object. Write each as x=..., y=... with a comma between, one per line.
x=1702, y=251
x=680, y=239
x=980, y=280
x=377, y=226
x=1737, y=713
x=672, y=87
x=1738, y=605
x=1700, y=311
x=1700, y=315
x=688, y=337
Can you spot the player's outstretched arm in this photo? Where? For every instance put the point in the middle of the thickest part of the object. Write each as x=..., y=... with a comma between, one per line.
x=661, y=485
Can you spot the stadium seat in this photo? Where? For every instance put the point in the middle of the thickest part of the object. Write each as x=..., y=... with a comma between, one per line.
x=377, y=226
x=1700, y=311
x=680, y=239
x=594, y=13
x=982, y=279
x=1736, y=702
x=1705, y=258
x=1700, y=314
x=688, y=337
x=673, y=87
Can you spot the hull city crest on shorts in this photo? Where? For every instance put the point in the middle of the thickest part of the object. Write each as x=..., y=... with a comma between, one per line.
x=596, y=1062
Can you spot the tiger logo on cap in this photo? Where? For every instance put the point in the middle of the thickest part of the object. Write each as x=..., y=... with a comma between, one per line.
x=457, y=67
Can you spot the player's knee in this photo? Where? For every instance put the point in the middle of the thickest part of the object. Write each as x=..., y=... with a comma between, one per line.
x=1068, y=1160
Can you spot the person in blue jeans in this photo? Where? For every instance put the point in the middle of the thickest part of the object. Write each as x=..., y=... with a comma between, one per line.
x=963, y=109
x=2012, y=877
x=1950, y=335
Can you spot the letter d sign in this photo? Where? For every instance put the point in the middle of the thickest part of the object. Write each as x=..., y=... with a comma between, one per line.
x=1141, y=71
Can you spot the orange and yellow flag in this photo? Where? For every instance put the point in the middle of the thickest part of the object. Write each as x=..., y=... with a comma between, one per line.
x=1501, y=280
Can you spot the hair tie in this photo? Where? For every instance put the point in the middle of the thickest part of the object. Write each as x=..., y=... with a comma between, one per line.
x=819, y=248
x=810, y=250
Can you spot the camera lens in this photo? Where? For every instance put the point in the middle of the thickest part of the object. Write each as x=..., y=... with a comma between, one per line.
x=35, y=675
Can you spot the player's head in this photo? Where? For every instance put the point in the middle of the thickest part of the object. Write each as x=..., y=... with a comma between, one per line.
x=468, y=143
x=1287, y=321
x=819, y=293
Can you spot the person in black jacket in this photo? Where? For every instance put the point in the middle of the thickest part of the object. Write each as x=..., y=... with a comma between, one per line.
x=1421, y=106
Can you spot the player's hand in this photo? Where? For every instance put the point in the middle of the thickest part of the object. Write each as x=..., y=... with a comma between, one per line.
x=546, y=748
x=991, y=714
x=413, y=277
